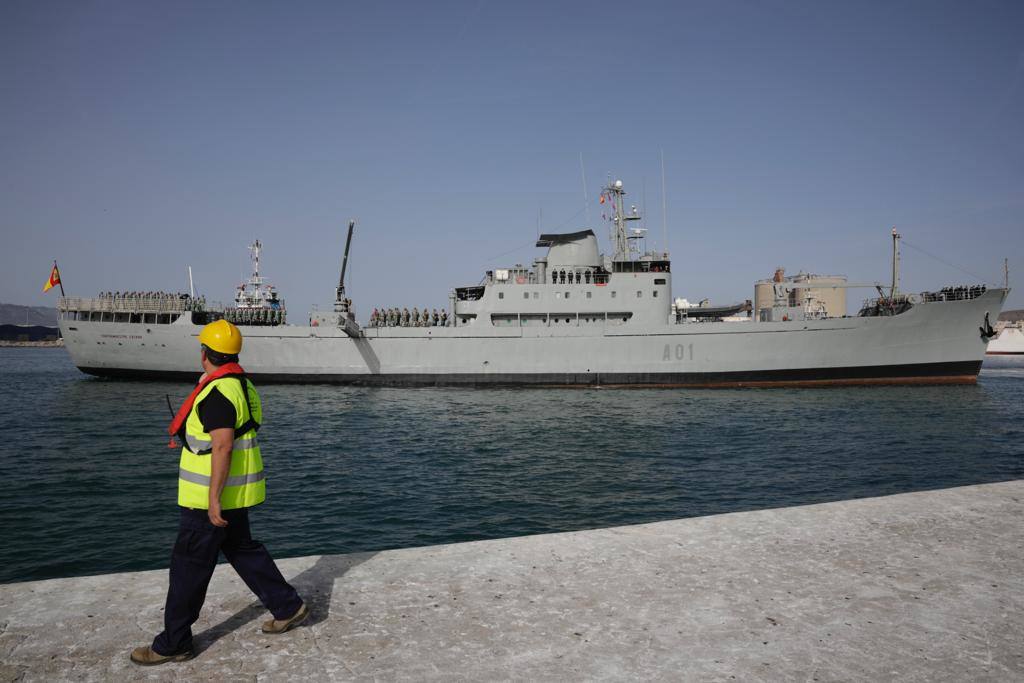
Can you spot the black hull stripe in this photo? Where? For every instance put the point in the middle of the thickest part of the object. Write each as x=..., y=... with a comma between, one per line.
x=919, y=373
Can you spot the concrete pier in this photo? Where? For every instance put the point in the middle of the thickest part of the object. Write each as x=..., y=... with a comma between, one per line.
x=920, y=586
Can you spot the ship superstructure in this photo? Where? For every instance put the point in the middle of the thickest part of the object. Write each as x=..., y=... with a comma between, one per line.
x=575, y=317
x=256, y=300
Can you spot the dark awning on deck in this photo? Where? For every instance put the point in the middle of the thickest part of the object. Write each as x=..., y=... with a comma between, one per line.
x=548, y=239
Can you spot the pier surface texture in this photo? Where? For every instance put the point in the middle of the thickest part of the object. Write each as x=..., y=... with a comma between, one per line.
x=919, y=586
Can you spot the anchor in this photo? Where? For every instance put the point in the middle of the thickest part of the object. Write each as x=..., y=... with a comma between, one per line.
x=986, y=330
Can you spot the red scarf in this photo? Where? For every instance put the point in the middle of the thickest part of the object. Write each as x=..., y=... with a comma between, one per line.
x=179, y=418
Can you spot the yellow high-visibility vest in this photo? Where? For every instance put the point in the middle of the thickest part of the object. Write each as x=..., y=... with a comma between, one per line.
x=246, y=483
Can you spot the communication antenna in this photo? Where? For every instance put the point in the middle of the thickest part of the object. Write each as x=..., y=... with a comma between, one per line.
x=1006, y=273
x=586, y=198
x=664, y=211
x=643, y=201
x=191, y=286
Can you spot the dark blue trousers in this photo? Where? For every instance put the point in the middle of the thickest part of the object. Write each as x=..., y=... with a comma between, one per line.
x=192, y=563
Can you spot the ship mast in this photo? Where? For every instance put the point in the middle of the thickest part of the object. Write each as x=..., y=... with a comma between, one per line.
x=895, y=264
x=620, y=236
x=254, y=248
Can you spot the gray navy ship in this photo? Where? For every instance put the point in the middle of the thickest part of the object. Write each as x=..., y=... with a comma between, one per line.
x=575, y=318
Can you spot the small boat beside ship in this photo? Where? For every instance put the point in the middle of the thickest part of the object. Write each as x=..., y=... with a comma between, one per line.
x=576, y=317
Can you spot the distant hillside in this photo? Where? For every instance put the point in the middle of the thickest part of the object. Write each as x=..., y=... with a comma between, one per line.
x=1012, y=316
x=13, y=314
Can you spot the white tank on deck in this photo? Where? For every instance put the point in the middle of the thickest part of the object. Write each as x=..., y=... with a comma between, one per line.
x=816, y=296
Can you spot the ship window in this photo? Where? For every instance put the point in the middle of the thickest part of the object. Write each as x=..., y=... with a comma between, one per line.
x=567, y=295
x=589, y=295
x=659, y=280
x=526, y=295
x=501, y=295
x=639, y=294
x=613, y=294
x=558, y=295
x=536, y=295
x=655, y=294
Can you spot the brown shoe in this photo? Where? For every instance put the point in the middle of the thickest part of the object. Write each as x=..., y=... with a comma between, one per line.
x=144, y=656
x=282, y=625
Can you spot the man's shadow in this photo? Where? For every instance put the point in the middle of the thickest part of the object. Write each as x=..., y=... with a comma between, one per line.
x=315, y=585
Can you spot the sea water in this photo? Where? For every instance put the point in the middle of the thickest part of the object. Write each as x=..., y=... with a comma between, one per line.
x=89, y=484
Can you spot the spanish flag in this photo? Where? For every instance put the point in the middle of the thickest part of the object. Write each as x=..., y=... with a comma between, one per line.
x=54, y=279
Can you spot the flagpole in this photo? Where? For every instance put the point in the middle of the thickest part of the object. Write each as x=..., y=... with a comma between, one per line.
x=59, y=281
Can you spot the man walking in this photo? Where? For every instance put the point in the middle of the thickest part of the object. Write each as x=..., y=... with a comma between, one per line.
x=220, y=476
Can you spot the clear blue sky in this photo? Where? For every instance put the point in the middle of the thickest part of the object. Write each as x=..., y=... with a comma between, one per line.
x=139, y=138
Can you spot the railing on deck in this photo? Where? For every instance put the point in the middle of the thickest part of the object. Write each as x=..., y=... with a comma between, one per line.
x=885, y=306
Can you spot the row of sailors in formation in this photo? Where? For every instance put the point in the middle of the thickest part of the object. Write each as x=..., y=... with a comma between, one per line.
x=197, y=303
x=394, y=317
x=568, y=277
x=151, y=296
x=559, y=277
x=963, y=292
x=255, y=315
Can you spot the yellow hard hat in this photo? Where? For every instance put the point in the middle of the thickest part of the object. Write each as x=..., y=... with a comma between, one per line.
x=222, y=337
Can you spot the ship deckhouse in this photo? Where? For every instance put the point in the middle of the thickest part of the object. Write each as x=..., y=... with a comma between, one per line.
x=574, y=285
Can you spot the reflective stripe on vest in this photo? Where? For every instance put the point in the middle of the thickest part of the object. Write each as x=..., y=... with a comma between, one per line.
x=201, y=446
x=240, y=480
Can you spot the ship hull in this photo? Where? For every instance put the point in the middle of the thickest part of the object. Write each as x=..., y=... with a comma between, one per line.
x=932, y=343
x=920, y=373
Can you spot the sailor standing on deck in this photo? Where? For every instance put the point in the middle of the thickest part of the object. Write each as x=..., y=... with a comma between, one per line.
x=220, y=477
